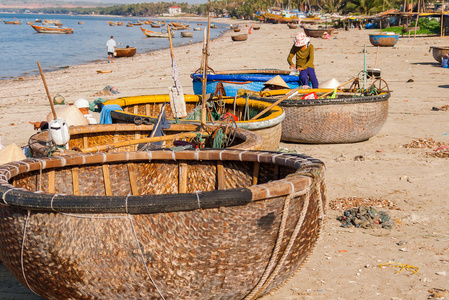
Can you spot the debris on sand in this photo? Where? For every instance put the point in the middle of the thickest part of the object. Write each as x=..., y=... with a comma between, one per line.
x=424, y=143
x=365, y=217
x=351, y=202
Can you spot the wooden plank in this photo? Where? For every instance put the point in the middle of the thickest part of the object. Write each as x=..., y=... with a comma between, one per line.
x=220, y=176
x=85, y=143
x=182, y=178
x=133, y=178
x=147, y=109
x=107, y=180
x=76, y=181
x=116, y=137
x=256, y=169
x=136, y=109
x=51, y=181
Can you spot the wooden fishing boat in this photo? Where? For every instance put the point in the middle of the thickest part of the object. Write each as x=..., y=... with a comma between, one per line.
x=125, y=52
x=30, y=23
x=197, y=28
x=38, y=21
x=119, y=23
x=292, y=26
x=186, y=34
x=154, y=25
x=233, y=26
x=54, y=29
x=146, y=22
x=155, y=224
x=311, y=20
x=129, y=25
x=317, y=32
x=256, y=27
x=239, y=37
x=58, y=24
x=237, y=30
x=269, y=126
x=16, y=22
x=385, y=39
x=348, y=118
x=128, y=137
x=158, y=34
x=439, y=52
x=277, y=19
x=80, y=22
x=234, y=80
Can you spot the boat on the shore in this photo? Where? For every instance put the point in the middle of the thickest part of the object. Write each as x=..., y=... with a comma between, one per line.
x=239, y=37
x=317, y=31
x=186, y=34
x=146, y=224
x=347, y=118
x=241, y=79
x=150, y=33
x=113, y=138
x=438, y=52
x=385, y=39
x=125, y=52
x=52, y=29
x=16, y=22
x=268, y=126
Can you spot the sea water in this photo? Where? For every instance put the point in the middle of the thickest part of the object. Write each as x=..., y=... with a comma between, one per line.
x=21, y=46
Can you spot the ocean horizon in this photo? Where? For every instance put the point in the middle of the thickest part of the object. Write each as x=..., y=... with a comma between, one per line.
x=22, y=46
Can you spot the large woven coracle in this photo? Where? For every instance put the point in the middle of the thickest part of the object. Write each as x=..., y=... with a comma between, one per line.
x=82, y=137
x=268, y=126
x=333, y=121
x=205, y=224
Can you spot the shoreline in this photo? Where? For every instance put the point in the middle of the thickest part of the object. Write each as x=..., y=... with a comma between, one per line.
x=345, y=262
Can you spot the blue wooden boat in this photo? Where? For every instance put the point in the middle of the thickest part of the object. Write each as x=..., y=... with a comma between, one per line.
x=386, y=39
x=232, y=81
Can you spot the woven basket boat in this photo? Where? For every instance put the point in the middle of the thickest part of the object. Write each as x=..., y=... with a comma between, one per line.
x=386, y=39
x=439, y=52
x=234, y=80
x=317, y=32
x=206, y=224
x=239, y=37
x=345, y=119
x=268, y=126
x=92, y=136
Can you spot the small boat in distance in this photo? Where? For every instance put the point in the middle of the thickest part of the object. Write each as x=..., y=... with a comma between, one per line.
x=30, y=23
x=150, y=33
x=186, y=34
x=112, y=23
x=79, y=22
x=52, y=29
x=16, y=22
x=38, y=21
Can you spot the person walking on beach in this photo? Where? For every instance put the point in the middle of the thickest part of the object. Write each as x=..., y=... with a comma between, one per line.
x=111, y=48
x=303, y=50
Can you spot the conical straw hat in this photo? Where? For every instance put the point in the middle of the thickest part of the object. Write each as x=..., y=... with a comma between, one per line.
x=71, y=114
x=329, y=84
x=277, y=80
x=11, y=153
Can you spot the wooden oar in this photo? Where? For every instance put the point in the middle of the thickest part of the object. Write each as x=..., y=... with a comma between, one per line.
x=141, y=141
x=48, y=93
x=338, y=87
x=288, y=95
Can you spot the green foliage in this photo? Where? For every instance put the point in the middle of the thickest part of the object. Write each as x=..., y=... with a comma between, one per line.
x=426, y=26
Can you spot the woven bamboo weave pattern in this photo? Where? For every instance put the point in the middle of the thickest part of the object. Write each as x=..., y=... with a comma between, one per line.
x=208, y=251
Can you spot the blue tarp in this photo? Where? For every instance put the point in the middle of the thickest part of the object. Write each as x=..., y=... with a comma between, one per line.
x=105, y=116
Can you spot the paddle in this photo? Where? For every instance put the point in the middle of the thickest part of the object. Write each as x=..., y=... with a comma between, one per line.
x=48, y=93
x=177, y=102
x=288, y=95
x=141, y=141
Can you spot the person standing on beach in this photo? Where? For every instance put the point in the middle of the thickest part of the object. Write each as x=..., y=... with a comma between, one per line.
x=111, y=48
x=303, y=50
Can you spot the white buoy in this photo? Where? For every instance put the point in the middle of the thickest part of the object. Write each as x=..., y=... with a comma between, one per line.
x=59, y=132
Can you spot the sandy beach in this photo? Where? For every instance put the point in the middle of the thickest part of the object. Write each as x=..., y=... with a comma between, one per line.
x=345, y=263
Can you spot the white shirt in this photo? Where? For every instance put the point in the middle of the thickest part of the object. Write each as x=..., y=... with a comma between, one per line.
x=111, y=44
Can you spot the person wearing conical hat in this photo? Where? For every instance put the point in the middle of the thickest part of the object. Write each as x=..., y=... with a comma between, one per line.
x=275, y=83
x=303, y=51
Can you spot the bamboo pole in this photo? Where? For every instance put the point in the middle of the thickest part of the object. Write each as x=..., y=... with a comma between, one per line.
x=442, y=20
x=417, y=18
x=140, y=141
x=182, y=178
x=205, y=55
x=48, y=93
